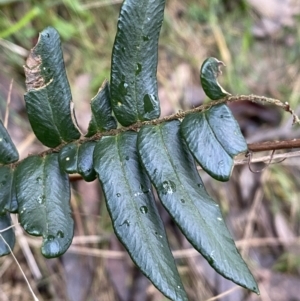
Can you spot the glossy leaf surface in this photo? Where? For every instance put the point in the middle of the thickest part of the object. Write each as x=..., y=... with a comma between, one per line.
x=43, y=193
x=8, y=200
x=214, y=137
x=173, y=172
x=8, y=151
x=49, y=99
x=102, y=119
x=78, y=158
x=8, y=235
x=68, y=158
x=133, y=212
x=85, y=161
x=134, y=61
x=209, y=72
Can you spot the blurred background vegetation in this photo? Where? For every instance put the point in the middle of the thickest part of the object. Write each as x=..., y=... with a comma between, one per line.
x=259, y=41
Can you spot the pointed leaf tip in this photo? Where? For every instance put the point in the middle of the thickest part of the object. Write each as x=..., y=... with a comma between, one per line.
x=173, y=172
x=102, y=119
x=135, y=218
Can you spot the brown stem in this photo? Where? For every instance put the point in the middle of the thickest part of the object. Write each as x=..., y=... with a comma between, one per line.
x=269, y=145
x=274, y=145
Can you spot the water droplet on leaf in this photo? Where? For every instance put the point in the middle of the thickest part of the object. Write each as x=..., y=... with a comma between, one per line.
x=60, y=234
x=118, y=195
x=168, y=187
x=123, y=87
x=138, y=69
x=182, y=201
x=144, y=189
x=50, y=237
x=156, y=233
x=126, y=223
x=144, y=209
x=41, y=199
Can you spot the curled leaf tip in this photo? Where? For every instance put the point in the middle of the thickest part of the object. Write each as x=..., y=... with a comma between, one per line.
x=219, y=66
x=210, y=70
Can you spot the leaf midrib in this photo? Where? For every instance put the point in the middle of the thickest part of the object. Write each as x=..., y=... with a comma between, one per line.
x=177, y=176
x=199, y=214
x=213, y=133
x=145, y=232
x=137, y=61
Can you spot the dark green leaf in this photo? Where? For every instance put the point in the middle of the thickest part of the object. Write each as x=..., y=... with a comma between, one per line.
x=8, y=201
x=8, y=235
x=214, y=137
x=173, y=172
x=49, y=99
x=85, y=161
x=43, y=193
x=133, y=212
x=78, y=158
x=102, y=120
x=134, y=61
x=209, y=72
x=8, y=151
x=68, y=158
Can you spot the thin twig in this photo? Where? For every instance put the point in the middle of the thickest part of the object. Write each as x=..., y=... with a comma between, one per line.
x=282, y=156
x=249, y=154
x=4, y=230
x=178, y=254
x=274, y=145
x=182, y=114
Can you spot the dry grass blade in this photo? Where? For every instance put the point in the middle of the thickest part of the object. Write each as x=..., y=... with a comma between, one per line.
x=224, y=294
x=26, y=250
x=5, y=123
x=252, y=214
x=100, y=4
x=19, y=266
x=14, y=48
